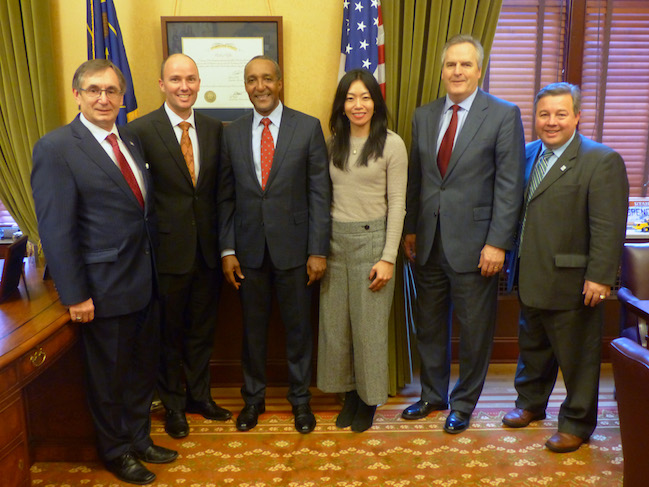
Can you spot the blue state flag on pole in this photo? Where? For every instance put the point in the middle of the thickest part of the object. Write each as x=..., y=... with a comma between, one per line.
x=363, y=39
x=105, y=42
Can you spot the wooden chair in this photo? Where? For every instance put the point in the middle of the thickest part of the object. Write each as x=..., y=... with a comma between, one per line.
x=13, y=268
x=634, y=292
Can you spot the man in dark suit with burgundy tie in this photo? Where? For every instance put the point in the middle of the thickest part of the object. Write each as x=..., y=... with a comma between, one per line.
x=96, y=220
x=183, y=148
x=274, y=229
x=465, y=182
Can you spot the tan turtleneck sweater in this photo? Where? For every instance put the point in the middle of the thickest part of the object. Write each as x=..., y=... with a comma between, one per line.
x=370, y=193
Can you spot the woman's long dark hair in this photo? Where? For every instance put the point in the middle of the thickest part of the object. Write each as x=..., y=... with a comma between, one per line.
x=339, y=145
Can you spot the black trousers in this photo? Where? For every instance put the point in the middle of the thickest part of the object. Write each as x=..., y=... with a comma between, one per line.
x=121, y=357
x=189, y=316
x=294, y=298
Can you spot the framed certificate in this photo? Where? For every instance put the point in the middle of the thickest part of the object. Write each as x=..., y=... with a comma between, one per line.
x=221, y=48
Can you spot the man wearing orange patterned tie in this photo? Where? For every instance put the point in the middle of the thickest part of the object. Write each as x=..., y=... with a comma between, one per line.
x=96, y=219
x=183, y=148
x=465, y=184
x=274, y=230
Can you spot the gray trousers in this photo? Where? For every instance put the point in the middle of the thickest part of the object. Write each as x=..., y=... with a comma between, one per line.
x=570, y=340
x=353, y=335
x=440, y=290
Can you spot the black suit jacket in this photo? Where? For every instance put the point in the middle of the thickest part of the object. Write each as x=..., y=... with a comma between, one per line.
x=187, y=215
x=97, y=239
x=292, y=216
x=575, y=225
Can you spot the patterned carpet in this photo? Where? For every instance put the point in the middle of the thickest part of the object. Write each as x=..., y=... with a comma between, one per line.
x=393, y=453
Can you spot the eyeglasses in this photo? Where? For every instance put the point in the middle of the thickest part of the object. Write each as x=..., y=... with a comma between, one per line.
x=111, y=93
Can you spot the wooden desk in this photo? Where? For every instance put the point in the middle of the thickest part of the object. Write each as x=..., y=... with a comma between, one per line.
x=4, y=245
x=34, y=333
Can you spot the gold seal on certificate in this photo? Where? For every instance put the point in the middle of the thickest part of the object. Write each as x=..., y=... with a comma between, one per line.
x=210, y=96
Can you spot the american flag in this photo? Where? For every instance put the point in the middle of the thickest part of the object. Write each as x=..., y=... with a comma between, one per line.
x=363, y=39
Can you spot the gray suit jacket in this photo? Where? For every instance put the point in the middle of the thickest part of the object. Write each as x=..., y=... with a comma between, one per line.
x=291, y=216
x=479, y=199
x=97, y=239
x=186, y=214
x=575, y=225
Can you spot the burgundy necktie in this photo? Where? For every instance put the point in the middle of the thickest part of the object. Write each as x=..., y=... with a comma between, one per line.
x=267, y=152
x=187, y=149
x=126, y=169
x=446, y=147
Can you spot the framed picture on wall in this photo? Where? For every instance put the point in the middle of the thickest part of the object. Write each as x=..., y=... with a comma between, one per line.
x=637, y=223
x=221, y=47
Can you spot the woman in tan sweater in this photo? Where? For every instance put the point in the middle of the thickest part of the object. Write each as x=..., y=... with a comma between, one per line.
x=368, y=169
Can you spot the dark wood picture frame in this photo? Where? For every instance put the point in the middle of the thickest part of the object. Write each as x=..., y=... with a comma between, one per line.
x=174, y=29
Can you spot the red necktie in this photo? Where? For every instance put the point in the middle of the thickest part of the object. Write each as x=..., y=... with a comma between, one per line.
x=187, y=149
x=446, y=147
x=126, y=169
x=267, y=152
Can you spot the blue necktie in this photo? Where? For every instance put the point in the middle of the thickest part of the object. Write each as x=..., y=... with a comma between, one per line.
x=536, y=178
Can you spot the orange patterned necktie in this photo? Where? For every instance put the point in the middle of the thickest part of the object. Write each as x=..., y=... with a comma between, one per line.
x=187, y=149
x=126, y=169
x=267, y=152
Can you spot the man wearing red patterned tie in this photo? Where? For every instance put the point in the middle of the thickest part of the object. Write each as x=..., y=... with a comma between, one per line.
x=274, y=229
x=183, y=148
x=465, y=184
x=93, y=197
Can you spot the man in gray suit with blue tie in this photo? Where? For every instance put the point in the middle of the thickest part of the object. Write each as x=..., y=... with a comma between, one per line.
x=573, y=230
x=465, y=184
x=274, y=228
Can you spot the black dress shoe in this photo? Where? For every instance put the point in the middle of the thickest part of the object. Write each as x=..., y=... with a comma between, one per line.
x=208, y=409
x=421, y=409
x=157, y=454
x=457, y=422
x=304, y=418
x=249, y=415
x=176, y=424
x=127, y=468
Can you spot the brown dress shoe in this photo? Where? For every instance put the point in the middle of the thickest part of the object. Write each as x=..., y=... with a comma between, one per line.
x=519, y=418
x=564, y=442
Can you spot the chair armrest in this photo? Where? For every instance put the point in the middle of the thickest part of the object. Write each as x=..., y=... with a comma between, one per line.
x=640, y=307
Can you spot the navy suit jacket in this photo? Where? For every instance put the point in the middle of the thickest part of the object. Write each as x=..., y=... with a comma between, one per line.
x=98, y=241
x=292, y=215
x=186, y=214
x=478, y=200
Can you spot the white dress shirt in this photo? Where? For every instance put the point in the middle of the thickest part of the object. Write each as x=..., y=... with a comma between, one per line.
x=100, y=134
x=193, y=136
x=465, y=106
x=257, y=128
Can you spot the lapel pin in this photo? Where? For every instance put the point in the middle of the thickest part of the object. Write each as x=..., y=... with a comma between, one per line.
x=131, y=142
x=563, y=168
x=146, y=164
